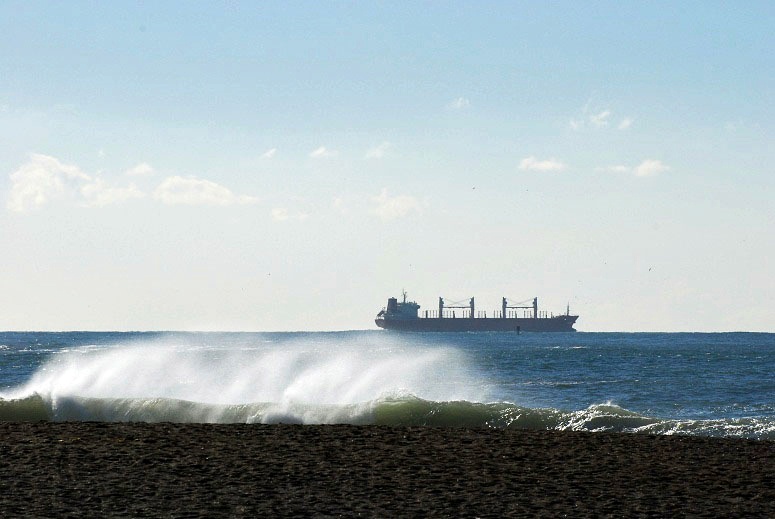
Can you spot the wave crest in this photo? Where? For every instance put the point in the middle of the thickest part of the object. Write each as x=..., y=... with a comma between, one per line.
x=389, y=411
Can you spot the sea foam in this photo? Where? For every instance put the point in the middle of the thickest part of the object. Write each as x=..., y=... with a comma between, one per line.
x=366, y=381
x=292, y=381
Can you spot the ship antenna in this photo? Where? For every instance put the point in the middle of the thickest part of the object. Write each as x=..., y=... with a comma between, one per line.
x=404, y=294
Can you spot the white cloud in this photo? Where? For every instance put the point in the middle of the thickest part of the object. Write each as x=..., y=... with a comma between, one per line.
x=41, y=180
x=141, y=170
x=268, y=154
x=533, y=164
x=193, y=191
x=322, y=153
x=598, y=119
x=459, y=104
x=44, y=179
x=339, y=205
x=647, y=168
x=281, y=214
x=98, y=194
x=650, y=167
x=379, y=151
x=601, y=119
x=390, y=208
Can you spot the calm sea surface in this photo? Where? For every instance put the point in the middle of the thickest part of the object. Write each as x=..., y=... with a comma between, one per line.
x=720, y=384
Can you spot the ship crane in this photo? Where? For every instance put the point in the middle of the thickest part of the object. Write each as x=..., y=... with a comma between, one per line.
x=456, y=304
x=520, y=305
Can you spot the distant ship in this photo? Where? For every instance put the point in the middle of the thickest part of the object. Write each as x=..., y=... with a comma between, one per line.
x=513, y=317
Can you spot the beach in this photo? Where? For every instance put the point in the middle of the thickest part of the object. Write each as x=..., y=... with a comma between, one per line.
x=184, y=470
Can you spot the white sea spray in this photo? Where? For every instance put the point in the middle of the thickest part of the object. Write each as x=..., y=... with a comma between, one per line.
x=693, y=384
x=302, y=381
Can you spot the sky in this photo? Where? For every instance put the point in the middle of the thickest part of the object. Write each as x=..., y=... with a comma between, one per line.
x=268, y=166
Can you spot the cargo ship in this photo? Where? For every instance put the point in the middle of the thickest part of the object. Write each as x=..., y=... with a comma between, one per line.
x=463, y=317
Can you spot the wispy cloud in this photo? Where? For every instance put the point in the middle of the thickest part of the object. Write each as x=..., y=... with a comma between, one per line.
x=533, y=164
x=340, y=206
x=378, y=152
x=576, y=124
x=268, y=154
x=596, y=118
x=99, y=194
x=458, y=104
x=141, y=170
x=282, y=214
x=179, y=190
x=323, y=153
x=391, y=207
x=647, y=168
x=650, y=168
x=619, y=168
x=600, y=119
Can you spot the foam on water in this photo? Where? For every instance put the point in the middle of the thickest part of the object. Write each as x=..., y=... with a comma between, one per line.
x=319, y=380
x=405, y=411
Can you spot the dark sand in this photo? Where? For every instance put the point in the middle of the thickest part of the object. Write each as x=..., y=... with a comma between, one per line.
x=170, y=470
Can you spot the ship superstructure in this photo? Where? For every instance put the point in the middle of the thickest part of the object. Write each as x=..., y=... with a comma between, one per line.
x=462, y=316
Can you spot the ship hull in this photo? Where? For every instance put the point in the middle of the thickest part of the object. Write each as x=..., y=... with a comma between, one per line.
x=562, y=323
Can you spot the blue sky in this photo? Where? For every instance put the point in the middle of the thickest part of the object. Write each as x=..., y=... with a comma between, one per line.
x=288, y=165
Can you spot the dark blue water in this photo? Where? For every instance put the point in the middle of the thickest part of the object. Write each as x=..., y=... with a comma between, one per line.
x=692, y=383
x=680, y=375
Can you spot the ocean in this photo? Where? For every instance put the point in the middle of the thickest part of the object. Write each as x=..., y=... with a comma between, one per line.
x=707, y=384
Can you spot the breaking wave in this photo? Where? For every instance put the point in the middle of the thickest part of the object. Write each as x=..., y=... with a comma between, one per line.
x=404, y=411
x=307, y=383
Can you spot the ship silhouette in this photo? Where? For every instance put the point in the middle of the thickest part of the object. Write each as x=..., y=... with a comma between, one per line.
x=462, y=316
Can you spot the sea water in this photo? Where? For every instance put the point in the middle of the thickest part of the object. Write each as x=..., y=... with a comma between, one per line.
x=720, y=384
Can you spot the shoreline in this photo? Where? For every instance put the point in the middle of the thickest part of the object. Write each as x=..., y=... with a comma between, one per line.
x=130, y=469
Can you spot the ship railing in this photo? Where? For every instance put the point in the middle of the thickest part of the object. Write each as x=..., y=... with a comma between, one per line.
x=453, y=314
x=482, y=314
x=516, y=314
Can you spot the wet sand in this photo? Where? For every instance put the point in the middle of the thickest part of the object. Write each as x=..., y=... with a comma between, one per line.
x=172, y=470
